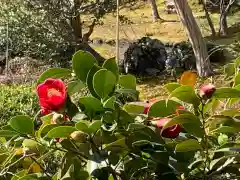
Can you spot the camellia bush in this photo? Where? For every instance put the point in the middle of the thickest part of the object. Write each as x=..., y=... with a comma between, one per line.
x=190, y=135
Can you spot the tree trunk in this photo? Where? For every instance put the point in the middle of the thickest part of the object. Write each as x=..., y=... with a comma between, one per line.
x=223, y=27
x=223, y=31
x=88, y=48
x=210, y=23
x=154, y=9
x=195, y=37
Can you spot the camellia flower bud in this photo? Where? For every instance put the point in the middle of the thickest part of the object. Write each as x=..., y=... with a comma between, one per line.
x=57, y=118
x=79, y=136
x=170, y=132
x=206, y=91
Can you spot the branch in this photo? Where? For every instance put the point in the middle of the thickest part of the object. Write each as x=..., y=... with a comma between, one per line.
x=90, y=31
x=229, y=5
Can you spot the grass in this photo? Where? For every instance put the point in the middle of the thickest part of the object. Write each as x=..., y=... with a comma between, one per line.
x=142, y=24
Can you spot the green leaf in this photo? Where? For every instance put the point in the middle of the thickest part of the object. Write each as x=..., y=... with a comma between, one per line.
x=226, y=92
x=19, y=174
x=172, y=86
x=45, y=129
x=188, y=145
x=29, y=177
x=82, y=126
x=104, y=82
x=195, y=164
x=222, y=139
x=82, y=62
x=91, y=105
x=47, y=119
x=226, y=129
x=7, y=133
x=134, y=107
x=194, y=129
x=183, y=119
x=79, y=116
x=127, y=82
x=216, y=163
x=61, y=132
x=90, y=76
x=110, y=103
x=237, y=79
x=95, y=126
x=229, y=69
x=75, y=87
x=185, y=94
x=55, y=73
x=29, y=143
x=163, y=108
x=120, y=143
x=112, y=66
x=22, y=124
x=108, y=117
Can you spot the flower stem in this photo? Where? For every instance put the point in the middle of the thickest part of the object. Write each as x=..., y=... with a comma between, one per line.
x=205, y=142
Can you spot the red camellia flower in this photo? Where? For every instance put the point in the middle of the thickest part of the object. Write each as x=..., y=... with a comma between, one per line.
x=52, y=95
x=206, y=91
x=170, y=132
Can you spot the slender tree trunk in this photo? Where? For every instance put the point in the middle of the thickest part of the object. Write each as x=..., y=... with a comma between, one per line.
x=224, y=9
x=208, y=18
x=223, y=19
x=223, y=31
x=155, y=13
x=195, y=37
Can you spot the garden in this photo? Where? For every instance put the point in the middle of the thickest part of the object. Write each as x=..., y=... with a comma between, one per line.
x=191, y=134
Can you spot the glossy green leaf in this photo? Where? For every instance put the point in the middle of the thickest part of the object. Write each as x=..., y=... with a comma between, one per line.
x=104, y=82
x=82, y=62
x=112, y=66
x=95, y=126
x=216, y=163
x=183, y=119
x=226, y=92
x=172, y=86
x=90, y=76
x=82, y=126
x=7, y=133
x=163, y=108
x=134, y=107
x=90, y=105
x=226, y=129
x=117, y=144
x=194, y=129
x=55, y=73
x=185, y=94
x=75, y=87
x=45, y=129
x=188, y=145
x=127, y=82
x=61, y=132
x=22, y=124
x=110, y=103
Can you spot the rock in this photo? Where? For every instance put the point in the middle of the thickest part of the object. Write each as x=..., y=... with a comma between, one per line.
x=145, y=56
x=170, y=7
x=97, y=41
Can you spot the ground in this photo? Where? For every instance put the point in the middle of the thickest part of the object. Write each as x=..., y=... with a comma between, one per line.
x=142, y=24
